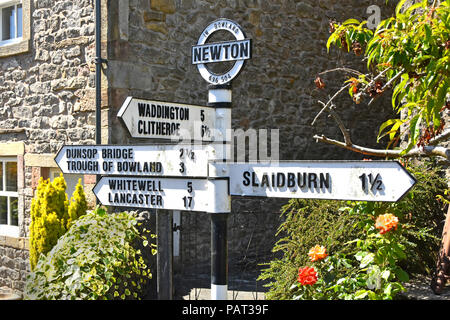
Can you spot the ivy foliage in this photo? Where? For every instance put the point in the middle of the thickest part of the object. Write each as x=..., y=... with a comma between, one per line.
x=358, y=256
x=52, y=214
x=96, y=259
x=409, y=53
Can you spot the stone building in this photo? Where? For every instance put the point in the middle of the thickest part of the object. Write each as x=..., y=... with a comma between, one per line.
x=47, y=98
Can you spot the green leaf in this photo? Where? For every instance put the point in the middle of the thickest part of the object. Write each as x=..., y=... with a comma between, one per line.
x=368, y=259
x=399, y=7
x=401, y=275
x=395, y=123
x=386, y=274
x=415, y=127
x=361, y=294
x=331, y=40
x=350, y=21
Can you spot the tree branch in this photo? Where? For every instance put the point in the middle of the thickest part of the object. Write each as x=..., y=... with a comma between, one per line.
x=342, y=69
x=344, y=130
x=388, y=84
x=442, y=137
x=427, y=151
x=329, y=102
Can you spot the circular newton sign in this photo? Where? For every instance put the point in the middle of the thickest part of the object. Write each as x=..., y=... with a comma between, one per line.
x=237, y=50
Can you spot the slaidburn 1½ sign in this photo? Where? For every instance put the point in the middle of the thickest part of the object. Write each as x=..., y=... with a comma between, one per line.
x=335, y=180
x=167, y=120
x=238, y=50
x=144, y=160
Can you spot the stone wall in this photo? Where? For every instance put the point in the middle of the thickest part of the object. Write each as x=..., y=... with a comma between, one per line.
x=46, y=100
x=14, y=265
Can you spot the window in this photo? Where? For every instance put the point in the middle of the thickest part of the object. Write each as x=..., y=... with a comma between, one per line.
x=71, y=180
x=9, y=217
x=10, y=22
x=14, y=27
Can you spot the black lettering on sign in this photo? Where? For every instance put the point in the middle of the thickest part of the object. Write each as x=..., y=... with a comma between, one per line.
x=163, y=111
x=80, y=165
x=131, y=199
x=325, y=181
x=291, y=180
x=117, y=153
x=197, y=54
x=246, y=176
x=84, y=153
x=281, y=180
x=312, y=180
x=265, y=181
x=254, y=180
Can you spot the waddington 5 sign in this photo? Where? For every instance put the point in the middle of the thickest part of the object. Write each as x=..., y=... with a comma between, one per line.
x=167, y=120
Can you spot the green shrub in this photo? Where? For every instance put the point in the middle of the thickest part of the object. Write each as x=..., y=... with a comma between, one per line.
x=96, y=259
x=361, y=262
x=52, y=215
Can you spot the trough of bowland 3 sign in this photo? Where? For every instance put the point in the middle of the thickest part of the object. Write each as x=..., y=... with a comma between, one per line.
x=166, y=120
x=144, y=160
x=337, y=180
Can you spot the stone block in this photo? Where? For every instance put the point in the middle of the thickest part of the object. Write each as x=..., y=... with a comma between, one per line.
x=165, y=6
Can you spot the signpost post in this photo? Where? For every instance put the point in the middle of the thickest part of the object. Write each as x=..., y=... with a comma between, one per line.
x=220, y=97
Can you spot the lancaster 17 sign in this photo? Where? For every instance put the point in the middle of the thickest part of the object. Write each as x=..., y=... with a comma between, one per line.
x=166, y=120
x=338, y=180
x=238, y=50
x=163, y=193
x=144, y=160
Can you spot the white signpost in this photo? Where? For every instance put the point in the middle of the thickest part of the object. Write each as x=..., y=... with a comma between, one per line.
x=384, y=181
x=167, y=120
x=167, y=160
x=187, y=194
x=189, y=177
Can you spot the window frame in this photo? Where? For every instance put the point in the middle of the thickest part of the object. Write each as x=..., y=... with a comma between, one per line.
x=8, y=4
x=19, y=45
x=9, y=229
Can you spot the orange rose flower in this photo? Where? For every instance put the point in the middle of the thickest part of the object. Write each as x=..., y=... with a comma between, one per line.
x=317, y=252
x=307, y=276
x=386, y=222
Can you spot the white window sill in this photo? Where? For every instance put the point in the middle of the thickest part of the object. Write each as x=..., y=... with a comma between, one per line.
x=17, y=46
x=10, y=41
x=9, y=231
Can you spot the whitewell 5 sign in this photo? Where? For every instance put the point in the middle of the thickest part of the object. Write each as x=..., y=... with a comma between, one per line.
x=188, y=194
